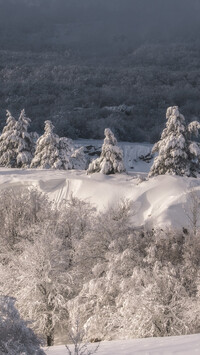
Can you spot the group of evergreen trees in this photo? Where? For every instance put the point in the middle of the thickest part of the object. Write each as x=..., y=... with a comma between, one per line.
x=177, y=153
x=21, y=149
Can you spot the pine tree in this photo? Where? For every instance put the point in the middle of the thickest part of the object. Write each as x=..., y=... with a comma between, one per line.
x=47, y=149
x=79, y=159
x=111, y=158
x=15, y=142
x=24, y=141
x=177, y=154
x=65, y=152
x=7, y=143
x=51, y=151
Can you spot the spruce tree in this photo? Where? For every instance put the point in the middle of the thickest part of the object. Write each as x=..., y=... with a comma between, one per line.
x=7, y=143
x=24, y=141
x=15, y=142
x=47, y=152
x=79, y=159
x=51, y=151
x=65, y=151
x=177, y=154
x=111, y=158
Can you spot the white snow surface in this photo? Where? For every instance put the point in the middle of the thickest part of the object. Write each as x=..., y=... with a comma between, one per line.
x=180, y=345
x=159, y=201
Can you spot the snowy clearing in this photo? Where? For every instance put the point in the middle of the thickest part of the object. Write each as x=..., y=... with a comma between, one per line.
x=182, y=345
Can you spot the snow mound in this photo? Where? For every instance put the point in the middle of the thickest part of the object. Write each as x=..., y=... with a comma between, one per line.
x=160, y=201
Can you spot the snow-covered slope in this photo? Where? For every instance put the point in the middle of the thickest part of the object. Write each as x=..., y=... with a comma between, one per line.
x=182, y=345
x=160, y=201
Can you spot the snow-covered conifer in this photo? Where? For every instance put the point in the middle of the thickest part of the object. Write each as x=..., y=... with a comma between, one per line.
x=47, y=149
x=79, y=159
x=7, y=143
x=15, y=142
x=111, y=158
x=23, y=141
x=15, y=336
x=51, y=151
x=177, y=154
x=65, y=152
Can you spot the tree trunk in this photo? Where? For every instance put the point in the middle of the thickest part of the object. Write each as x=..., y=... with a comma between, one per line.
x=50, y=335
x=50, y=339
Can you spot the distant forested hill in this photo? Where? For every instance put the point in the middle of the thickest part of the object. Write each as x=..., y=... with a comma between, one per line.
x=91, y=64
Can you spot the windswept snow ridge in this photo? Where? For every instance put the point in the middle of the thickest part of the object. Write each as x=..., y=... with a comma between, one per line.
x=160, y=201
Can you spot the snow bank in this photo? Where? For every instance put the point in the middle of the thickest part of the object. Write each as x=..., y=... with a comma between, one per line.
x=160, y=201
x=182, y=345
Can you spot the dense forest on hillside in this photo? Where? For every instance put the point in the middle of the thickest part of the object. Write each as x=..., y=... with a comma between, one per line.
x=81, y=65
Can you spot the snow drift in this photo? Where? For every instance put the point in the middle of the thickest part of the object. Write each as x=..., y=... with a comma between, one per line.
x=160, y=201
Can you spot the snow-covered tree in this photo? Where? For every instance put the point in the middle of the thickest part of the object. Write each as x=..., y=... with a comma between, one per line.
x=7, y=143
x=111, y=158
x=16, y=144
x=15, y=336
x=177, y=154
x=66, y=149
x=38, y=278
x=24, y=141
x=20, y=209
x=47, y=151
x=79, y=159
x=51, y=151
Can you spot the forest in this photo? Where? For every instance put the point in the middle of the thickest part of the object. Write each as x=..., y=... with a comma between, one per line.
x=122, y=74
x=71, y=262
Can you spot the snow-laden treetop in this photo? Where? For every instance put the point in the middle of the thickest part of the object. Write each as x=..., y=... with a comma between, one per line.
x=111, y=158
x=177, y=154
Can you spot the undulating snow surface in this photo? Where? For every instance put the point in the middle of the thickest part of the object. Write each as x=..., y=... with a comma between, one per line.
x=182, y=345
x=160, y=201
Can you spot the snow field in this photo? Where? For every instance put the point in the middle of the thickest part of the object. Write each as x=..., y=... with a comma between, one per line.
x=160, y=201
x=182, y=345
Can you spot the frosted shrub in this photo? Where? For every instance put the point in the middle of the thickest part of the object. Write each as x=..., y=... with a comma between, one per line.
x=111, y=158
x=77, y=338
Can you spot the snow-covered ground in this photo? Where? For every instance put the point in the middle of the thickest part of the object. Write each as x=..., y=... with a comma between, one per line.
x=182, y=345
x=160, y=201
